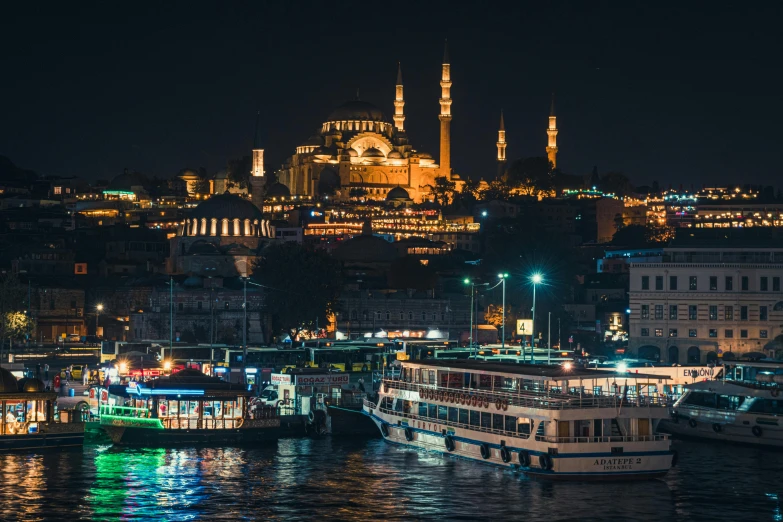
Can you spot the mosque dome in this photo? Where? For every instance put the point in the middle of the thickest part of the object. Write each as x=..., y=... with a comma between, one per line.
x=366, y=248
x=278, y=190
x=227, y=206
x=352, y=153
x=398, y=194
x=127, y=181
x=322, y=151
x=394, y=154
x=372, y=152
x=314, y=141
x=356, y=110
x=8, y=382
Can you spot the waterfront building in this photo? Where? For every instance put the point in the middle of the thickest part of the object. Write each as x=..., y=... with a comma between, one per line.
x=707, y=297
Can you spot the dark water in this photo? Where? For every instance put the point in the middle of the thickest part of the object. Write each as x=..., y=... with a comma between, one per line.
x=304, y=479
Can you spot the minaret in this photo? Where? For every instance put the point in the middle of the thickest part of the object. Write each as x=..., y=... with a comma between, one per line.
x=257, y=171
x=399, y=102
x=551, y=149
x=445, y=115
x=501, y=146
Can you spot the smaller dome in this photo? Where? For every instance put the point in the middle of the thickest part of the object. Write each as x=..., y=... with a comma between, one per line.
x=424, y=155
x=372, y=152
x=314, y=140
x=322, y=151
x=398, y=194
x=352, y=153
x=8, y=382
x=278, y=190
x=32, y=385
x=394, y=154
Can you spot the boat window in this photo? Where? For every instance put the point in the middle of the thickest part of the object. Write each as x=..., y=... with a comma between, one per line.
x=398, y=405
x=464, y=417
x=453, y=415
x=508, y=383
x=432, y=411
x=432, y=377
x=443, y=412
x=486, y=419
x=766, y=406
x=730, y=402
x=385, y=403
x=597, y=390
x=524, y=426
x=417, y=375
x=540, y=430
x=698, y=398
x=422, y=409
x=475, y=418
x=510, y=423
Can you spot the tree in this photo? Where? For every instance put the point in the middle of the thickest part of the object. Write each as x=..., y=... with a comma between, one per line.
x=300, y=286
x=532, y=176
x=18, y=325
x=471, y=188
x=357, y=192
x=616, y=183
x=238, y=171
x=442, y=191
x=202, y=185
x=12, y=299
x=496, y=190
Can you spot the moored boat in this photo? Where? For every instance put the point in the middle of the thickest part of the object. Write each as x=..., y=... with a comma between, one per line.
x=745, y=407
x=187, y=407
x=546, y=421
x=29, y=421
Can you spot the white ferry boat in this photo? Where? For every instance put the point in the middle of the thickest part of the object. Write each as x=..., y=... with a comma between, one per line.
x=546, y=421
x=746, y=406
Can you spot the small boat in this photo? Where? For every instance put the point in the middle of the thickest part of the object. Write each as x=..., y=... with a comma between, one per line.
x=29, y=420
x=549, y=422
x=746, y=406
x=187, y=407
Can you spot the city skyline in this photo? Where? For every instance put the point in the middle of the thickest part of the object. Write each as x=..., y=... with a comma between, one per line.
x=676, y=107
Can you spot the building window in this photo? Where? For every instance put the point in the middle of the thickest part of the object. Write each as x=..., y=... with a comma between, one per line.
x=645, y=311
x=729, y=283
x=410, y=316
x=729, y=313
x=402, y=316
x=762, y=334
x=713, y=283
x=744, y=334
x=51, y=307
x=713, y=312
x=762, y=313
x=728, y=333
x=743, y=313
x=713, y=332
x=692, y=283
x=645, y=282
x=388, y=315
x=645, y=332
x=659, y=312
x=672, y=282
x=692, y=332
x=378, y=315
x=672, y=311
x=776, y=284
x=424, y=316
x=659, y=282
x=693, y=312
x=198, y=305
x=764, y=284
x=353, y=315
x=58, y=190
x=672, y=332
x=659, y=332
x=744, y=283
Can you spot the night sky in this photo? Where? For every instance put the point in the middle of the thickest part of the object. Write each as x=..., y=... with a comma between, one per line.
x=685, y=94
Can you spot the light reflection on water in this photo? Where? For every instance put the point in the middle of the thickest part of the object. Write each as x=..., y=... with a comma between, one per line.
x=303, y=479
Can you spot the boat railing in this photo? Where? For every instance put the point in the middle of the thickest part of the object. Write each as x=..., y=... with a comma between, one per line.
x=539, y=400
x=613, y=438
x=125, y=411
x=368, y=404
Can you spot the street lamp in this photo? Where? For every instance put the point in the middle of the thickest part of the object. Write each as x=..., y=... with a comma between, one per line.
x=503, y=278
x=99, y=308
x=536, y=279
x=472, y=307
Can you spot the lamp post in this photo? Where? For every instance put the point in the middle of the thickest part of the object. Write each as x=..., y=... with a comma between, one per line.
x=99, y=309
x=503, y=278
x=472, y=307
x=536, y=279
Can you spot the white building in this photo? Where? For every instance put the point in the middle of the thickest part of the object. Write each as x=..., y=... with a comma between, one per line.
x=700, y=303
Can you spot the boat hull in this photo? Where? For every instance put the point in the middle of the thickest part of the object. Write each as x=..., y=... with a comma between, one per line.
x=704, y=429
x=640, y=463
x=132, y=436
x=42, y=441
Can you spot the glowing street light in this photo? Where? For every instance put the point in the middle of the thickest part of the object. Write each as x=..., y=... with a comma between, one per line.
x=503, y=278
x=99, y=308
x=472, y=294
x=536, y=279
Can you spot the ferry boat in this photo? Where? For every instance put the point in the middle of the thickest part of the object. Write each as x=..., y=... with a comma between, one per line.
x=29, y=420
x=186, y=407
x=546, y=421
x=746, y=406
